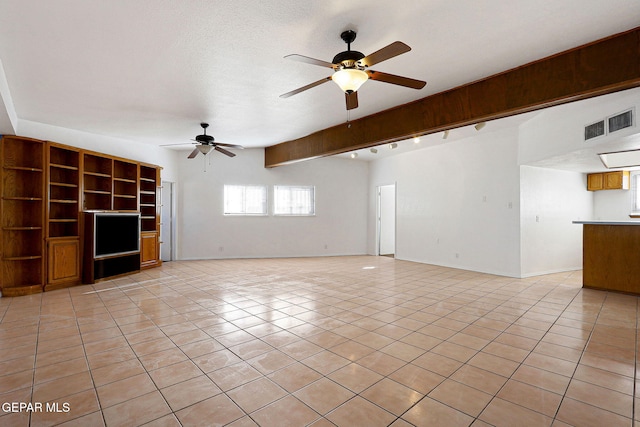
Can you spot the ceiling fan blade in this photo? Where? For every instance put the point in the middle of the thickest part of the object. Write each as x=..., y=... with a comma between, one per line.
x=223, y=151
x=170, y=145
x=303, y=88
x=396, y=80
x=238, y=147
x=193, y=153
x=387, y=52
x=352, y=100
x=312, y=61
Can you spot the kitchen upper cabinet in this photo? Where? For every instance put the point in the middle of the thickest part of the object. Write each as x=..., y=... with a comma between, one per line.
x=618, y=180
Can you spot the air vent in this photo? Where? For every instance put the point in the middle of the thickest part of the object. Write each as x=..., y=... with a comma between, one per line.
x=621, y=121
x=594, y=130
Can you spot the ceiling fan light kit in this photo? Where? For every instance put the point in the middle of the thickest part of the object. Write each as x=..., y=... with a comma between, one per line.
x=349, y=79
x=204, y=149
x=351, y=69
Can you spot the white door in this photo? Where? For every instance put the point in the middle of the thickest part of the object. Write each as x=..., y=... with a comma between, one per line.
x=166, y=221
x=387, y=220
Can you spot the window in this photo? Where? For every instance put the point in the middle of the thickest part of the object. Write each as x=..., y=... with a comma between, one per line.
x=245, y=200
x=635, y=192
x=294, y=200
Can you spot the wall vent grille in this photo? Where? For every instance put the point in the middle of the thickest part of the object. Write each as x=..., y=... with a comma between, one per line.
x=620, y=121
x=594, y=130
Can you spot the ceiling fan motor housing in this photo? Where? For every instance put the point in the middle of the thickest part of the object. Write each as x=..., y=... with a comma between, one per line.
x=205, y=139
x=348, y=58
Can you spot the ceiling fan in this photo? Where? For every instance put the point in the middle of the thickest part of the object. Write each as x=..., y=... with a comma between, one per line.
x=351, y=69
x=207, y=142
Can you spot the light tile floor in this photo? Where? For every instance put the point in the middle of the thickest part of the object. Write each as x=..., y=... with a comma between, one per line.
x=321, y=341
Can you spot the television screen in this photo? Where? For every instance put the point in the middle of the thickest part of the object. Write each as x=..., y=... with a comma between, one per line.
x=116, y=234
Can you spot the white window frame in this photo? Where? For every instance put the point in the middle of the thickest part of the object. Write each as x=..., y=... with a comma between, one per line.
x=635, y=192
x=283, y=204
x=245, y=206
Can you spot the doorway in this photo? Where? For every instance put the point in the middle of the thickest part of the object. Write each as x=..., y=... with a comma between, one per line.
x=167, y=221
x=387, y=220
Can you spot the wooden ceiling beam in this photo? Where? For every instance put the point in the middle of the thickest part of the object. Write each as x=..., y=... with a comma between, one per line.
x=604, y=66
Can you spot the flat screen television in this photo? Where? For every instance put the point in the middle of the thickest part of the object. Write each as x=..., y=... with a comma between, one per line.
x=116, y=233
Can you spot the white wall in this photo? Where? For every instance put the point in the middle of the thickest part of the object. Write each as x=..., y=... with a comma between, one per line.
x=457, y=203
x=338, y=228
x=612, y=205
x=549, y=201
x=112, y=146
x=560, y=130
x=8, y=116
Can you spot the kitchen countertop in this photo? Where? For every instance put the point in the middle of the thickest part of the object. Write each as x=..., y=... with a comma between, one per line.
x=629, y=222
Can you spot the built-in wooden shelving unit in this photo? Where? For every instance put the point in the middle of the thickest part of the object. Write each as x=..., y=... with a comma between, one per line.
x=22, y=211
x=44, y=190
x=149, y=215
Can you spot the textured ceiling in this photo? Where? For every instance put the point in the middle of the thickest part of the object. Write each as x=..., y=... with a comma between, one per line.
x=151, y=70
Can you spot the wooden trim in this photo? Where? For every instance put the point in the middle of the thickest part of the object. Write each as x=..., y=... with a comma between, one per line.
x=604, y=66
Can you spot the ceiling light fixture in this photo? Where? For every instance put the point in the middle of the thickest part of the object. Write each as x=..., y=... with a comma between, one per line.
x=393, y=145
x=204, y=149
x=354, y=155
x=620, y=159
x=374, y=150
x=349, y=79
x=480, y=125
x=445, y=135
x=416, y=139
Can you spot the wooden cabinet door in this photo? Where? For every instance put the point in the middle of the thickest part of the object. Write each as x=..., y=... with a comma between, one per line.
x=149, y=253
x=595, y=182
x=63, y=262
x=612, y=180
x=618, y=180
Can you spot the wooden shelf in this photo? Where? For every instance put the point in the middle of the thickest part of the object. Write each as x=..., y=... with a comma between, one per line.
x=21, y=228
x=62, y=201
x=23, y=168
x=63, y=184
x=24, y=199
x=102, y=175
x=55, y=165
x=22, y=258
